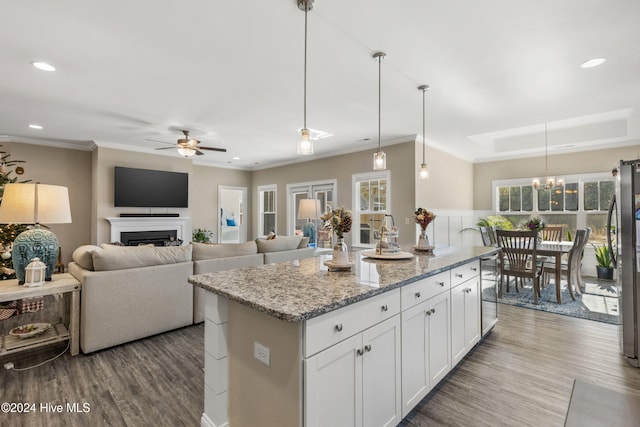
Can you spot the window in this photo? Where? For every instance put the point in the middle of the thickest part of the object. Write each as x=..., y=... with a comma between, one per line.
x=583, y=201
x=267, y=215
x=325, y=191
x=371, y=204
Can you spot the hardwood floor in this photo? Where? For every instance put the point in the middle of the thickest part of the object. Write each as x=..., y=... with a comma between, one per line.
x=521, y=375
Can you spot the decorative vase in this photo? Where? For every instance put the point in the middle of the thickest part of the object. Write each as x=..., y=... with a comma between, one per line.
x=423, y=240
x=340, y=252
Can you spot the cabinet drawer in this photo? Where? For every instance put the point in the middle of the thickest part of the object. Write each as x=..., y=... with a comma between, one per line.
x=424, y=289
x=464, y=272
x=328, y=329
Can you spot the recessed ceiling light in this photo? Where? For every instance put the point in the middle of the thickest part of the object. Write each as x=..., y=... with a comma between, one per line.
x=236, y=158
x=43, y=66
x=593, y=62
x=35, y=126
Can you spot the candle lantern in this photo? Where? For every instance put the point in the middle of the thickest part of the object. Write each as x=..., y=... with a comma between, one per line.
x=35, y=273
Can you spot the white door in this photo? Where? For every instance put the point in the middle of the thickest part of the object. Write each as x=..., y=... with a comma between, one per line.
x=465, y=318
x=439, y=330
x=415, y=350
x=333, y=385
x=381, y=376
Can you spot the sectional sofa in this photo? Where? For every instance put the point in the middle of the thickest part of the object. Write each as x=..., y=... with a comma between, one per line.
x=130, y=293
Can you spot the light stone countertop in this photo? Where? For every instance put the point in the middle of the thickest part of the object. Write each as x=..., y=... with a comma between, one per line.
x=298, y=290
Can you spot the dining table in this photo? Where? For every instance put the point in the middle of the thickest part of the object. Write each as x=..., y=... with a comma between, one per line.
x=556, y=250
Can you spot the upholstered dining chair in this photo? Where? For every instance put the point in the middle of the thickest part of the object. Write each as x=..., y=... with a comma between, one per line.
x=552, y=233
x=571, y=268
x=519, y=259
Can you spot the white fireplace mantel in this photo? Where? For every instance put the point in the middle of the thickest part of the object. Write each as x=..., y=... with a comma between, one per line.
x=181, y=224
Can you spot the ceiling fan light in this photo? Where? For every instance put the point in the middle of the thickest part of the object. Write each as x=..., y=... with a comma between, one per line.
x=424, y=173
x=305, y=144
x=186, y=151
x=379, y=161
x=536, y=183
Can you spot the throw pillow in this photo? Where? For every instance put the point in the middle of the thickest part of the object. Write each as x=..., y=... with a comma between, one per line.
x=83, y=256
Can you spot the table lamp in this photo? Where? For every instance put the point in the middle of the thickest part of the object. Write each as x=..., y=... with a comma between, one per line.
x=309, y=209
x=34, y=204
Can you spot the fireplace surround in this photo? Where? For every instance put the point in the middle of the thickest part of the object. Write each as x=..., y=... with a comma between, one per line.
x=177, y=227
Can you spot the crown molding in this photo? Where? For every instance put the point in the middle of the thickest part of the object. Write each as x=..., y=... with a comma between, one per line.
x=57, y=143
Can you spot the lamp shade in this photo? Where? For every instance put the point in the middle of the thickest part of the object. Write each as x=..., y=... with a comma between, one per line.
x=309, y=208
x=35, y=203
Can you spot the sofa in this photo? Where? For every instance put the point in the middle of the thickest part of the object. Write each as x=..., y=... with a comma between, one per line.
x=132, y=292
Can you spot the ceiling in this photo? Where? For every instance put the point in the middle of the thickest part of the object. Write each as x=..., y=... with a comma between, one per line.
x=232, y=73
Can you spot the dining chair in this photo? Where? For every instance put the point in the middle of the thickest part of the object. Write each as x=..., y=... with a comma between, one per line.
x=519, y=258
x=552, y=233
x=571, y=268
x=487, y=236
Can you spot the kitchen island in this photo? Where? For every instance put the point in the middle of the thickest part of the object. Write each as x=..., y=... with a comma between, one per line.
x=294, y=344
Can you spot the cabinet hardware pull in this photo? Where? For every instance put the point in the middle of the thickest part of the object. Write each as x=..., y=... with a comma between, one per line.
x=433, y=310
x=367, y=347
x=359, y=352
x=474, y=268
x=417, y=294
x=442, y=283
x=385, y=307
x=458, y=275
x=339, y=327
x=428, y=313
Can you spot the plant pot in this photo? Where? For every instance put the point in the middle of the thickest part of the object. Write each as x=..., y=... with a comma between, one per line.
x=604, y=272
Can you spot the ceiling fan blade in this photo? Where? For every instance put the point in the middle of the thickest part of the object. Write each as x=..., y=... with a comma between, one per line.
x=198, y=152
x=165, y=148
x=222, y=150
x=157, y=140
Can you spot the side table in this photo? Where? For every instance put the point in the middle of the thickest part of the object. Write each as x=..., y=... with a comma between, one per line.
x=59, y=284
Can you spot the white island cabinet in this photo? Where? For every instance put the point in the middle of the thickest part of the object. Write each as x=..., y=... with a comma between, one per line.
x=293, y=344
x=465, y=309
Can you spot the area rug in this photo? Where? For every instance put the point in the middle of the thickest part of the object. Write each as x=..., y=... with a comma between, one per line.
x=595, y=406
x=599, y=302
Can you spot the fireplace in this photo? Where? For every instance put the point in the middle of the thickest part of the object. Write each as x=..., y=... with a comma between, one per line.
x=155, y=237
x=156, y=230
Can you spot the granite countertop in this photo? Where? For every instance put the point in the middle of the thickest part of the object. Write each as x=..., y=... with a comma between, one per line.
x=297, y=290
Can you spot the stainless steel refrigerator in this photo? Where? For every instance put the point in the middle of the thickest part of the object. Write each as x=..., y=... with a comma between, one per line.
x=624, y=243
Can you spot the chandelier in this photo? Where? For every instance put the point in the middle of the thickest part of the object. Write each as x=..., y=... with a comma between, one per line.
x=549, y=181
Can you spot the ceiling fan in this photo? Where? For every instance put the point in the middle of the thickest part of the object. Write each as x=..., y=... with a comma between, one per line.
x=187, y=147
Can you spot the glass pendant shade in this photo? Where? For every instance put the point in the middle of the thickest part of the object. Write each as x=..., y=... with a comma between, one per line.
x=305, y=144
x=186, y=151
x=379, y=161
x=424, y=173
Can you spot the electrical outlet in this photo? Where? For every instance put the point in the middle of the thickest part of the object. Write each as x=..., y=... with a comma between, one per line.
x=406, y=221
x=262, y=353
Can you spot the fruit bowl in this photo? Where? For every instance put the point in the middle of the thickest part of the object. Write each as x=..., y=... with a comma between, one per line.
x=29, y=330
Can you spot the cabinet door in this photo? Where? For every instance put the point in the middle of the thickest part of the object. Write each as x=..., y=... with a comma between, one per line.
x=465, y=318
x=381, y=374
x=415, y=354
x=472, y=313
x=333, y=385
x=439, y=332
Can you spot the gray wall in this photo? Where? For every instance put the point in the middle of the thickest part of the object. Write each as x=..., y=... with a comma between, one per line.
x=561, y=164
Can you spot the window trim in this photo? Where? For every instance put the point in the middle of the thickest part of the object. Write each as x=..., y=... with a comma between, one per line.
x=262, y=189
x=355, y=179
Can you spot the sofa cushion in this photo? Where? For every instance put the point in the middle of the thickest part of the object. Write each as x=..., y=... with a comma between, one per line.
x=304, y=242
x=281, y=243
x=135, y=256
x=83, y=256
x=204, y=251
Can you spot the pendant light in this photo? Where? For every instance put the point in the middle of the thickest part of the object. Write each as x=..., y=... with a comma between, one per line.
x=379, y=157
x=424, y=173
x=305, y=144
x=549, y=181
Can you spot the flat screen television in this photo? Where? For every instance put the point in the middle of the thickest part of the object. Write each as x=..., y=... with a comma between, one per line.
x=150, y=188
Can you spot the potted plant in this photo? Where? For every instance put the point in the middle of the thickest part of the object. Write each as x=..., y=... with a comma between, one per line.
x=604, y=266
x=202, y=235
